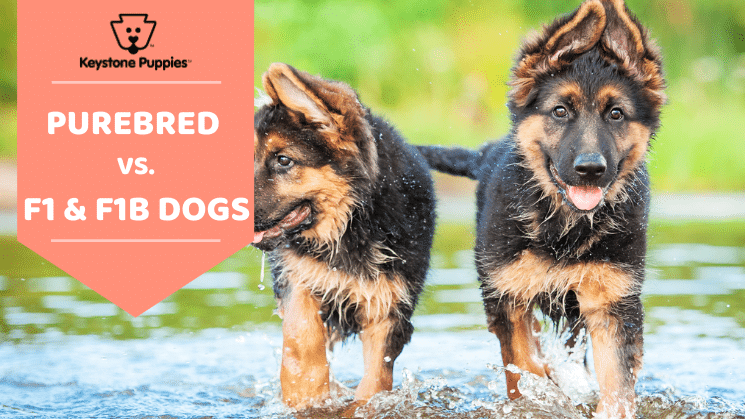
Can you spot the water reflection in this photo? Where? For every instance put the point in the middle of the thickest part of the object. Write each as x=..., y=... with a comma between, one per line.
x=689, y=253
x=692, y=276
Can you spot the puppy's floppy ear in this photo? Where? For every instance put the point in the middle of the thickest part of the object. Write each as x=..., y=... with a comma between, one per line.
x=332, y=104
x=557, y=45
x=580, y=33
x=283, y=85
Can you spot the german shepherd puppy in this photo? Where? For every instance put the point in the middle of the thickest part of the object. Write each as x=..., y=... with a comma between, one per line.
x=346, y=209
x=563, y=199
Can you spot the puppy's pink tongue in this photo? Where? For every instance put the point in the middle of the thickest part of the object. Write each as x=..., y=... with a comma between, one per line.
x=258, y=235
x=585, y=197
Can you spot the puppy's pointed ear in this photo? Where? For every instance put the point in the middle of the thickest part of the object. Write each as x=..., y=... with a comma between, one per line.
x=625, y=41
x=623, y=36
x=282, y=84
x=577, y=35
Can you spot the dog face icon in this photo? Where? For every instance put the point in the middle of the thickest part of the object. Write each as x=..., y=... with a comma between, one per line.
x=133, y=31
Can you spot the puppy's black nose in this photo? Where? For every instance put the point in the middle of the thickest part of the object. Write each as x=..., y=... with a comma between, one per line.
x=133, y=39
x=590, y=165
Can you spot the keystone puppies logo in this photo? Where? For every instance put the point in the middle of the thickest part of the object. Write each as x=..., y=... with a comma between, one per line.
x=133, y=33
x=135, y=30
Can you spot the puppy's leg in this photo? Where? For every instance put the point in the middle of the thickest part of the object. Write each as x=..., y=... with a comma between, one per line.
x=304, y=374
x=382, y=342
x=616, y=334
x=516, y=327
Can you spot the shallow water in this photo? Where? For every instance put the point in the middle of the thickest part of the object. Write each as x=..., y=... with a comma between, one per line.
x=212, y=349
x=234, y=374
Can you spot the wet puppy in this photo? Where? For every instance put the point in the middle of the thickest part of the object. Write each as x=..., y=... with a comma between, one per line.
x=563, y=199
x=346, y=209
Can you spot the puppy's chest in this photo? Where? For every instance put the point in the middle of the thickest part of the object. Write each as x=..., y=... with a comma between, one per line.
x=532, y=274
x=562, y=252
x=566, y=241
x=374, y=296
x=567, y=236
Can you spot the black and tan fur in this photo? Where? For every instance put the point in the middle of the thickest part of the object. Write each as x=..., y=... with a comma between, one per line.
x=346, y=209
x=585, y=98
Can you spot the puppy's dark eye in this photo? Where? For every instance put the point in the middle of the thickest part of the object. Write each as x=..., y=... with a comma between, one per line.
x=616, y=114
x=129, y=30
x=560, y=112
x=137, y=30
x=285, y=161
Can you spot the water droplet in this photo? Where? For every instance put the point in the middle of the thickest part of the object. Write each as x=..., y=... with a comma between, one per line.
x=263, y=256
x=261, y=287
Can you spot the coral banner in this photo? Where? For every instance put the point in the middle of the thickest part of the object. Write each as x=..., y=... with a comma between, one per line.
x=135, y=140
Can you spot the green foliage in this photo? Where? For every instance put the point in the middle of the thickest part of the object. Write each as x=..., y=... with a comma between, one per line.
x=8, y=78
x=438, y=70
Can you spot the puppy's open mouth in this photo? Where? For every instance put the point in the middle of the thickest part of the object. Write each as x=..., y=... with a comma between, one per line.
x=291, y=220
x=583, y=198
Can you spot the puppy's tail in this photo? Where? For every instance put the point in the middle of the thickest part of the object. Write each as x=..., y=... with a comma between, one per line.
x=453, y=160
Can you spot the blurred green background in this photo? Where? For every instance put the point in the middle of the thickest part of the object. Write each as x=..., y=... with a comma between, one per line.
x=438, y=70
x=8, y=79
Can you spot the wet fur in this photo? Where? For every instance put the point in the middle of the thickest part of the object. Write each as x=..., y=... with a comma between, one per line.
x=363, y=253
x=583, y=268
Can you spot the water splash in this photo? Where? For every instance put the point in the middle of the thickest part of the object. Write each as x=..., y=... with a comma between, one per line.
x=570, y=365
x=224, y=374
